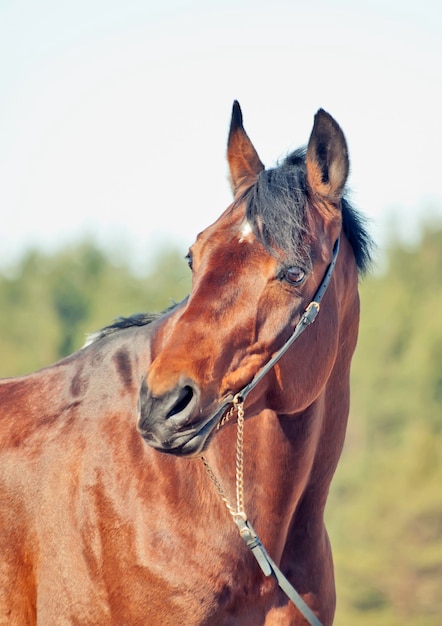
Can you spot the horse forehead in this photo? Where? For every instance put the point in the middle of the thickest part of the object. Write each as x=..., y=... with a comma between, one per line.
x=245, y=232
x=230, y=229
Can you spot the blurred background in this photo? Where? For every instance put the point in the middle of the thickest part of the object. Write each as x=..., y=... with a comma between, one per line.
x=113, y=127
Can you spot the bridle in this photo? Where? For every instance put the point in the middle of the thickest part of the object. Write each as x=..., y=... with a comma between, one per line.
x=239, y=515
x=307, y=318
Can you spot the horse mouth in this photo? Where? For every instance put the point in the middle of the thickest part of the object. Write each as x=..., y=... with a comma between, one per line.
x=189, y=442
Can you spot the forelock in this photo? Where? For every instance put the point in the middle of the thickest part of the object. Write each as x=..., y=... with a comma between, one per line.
x=276, y=208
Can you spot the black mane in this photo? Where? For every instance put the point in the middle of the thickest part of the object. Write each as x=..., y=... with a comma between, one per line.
x=120, y=323
x=276, y=209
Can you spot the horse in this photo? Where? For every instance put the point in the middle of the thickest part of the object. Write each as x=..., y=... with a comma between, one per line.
x=107, y=514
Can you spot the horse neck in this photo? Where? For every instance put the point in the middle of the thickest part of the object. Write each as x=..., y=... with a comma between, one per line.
x=273, y=475
x=289, y=461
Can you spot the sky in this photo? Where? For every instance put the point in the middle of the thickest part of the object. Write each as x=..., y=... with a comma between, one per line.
x=114, y=115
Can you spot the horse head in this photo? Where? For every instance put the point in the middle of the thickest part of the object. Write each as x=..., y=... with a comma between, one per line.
x=255, y=270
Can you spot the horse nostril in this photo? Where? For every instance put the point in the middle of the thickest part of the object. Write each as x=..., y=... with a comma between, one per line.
x=184, y=398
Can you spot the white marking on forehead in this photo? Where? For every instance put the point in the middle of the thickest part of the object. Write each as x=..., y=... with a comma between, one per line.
x=245, y=232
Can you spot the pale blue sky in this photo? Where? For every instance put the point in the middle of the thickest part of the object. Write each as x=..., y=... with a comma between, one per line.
x=114, y=115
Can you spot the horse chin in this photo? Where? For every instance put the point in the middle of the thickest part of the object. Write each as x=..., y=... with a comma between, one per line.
x=192, y=449
x=190, y=443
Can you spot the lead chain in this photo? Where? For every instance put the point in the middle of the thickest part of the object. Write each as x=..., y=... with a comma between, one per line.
x=238, y=405
x=240, y=460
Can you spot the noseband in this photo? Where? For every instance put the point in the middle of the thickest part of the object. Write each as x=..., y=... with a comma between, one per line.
x=246, y=531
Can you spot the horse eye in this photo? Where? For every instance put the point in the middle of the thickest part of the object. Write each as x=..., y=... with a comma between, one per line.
x=189, y=260
x=294, y=275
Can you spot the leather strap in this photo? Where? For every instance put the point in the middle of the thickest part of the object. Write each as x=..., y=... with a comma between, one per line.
x=269, y=567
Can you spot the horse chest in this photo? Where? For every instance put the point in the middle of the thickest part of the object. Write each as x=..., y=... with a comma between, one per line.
x=145, y=567
x=198, y=579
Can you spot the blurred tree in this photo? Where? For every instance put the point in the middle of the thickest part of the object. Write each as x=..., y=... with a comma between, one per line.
x=52, y=301
x=385, y=509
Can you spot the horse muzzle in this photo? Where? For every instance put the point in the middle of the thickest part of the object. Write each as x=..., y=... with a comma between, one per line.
x=173, y=422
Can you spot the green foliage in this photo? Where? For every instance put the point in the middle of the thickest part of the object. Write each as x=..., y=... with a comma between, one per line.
x=385, y=507
x=51, y=302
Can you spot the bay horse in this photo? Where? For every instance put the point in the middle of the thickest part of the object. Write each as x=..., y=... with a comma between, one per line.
x=96, y=527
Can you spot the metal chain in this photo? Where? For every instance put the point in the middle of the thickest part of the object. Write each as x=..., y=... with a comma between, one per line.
x=225, y=418
x=238, y=405
x=240, y=460
x=218, y=487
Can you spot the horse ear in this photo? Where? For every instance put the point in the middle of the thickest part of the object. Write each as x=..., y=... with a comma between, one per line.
x=244, y=162
x=327, y=158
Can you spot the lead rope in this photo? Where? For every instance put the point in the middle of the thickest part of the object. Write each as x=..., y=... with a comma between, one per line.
x=239, y=515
